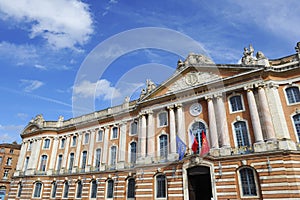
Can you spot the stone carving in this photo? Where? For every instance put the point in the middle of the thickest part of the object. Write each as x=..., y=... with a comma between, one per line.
x=193, y=59
x=297, y=48
x=38, y=120
x=150, y=86
x=249, y=59
x=180, y=64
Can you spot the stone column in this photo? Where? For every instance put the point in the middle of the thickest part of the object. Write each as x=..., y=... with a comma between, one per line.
x=91, y=149
x=150, y=137
x=53, y=155
x=122, y=146
x=105, y=147
x=223, y=127
x=143, y=135
x=78, y=151
x=180, y=123
x=270, y=133
x=254, y=116
x=34, y=156
x=66, y=153
x=22, y=156
x=173, y=153
x=214, y=140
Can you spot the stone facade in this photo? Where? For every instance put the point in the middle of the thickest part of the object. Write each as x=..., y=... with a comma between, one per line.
x=249, y=112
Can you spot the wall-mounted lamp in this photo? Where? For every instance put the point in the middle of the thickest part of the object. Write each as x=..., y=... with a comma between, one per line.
x=173, y=171
x=220, y=169
x=141, y=174
x=269, y=165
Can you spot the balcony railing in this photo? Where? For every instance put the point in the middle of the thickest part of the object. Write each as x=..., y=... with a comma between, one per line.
x=242, y=150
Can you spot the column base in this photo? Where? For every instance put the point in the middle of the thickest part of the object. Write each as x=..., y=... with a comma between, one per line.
x=287, y=145
x=103, y=167
x=173, y=157
x=121, y=165
x=140, y=161
x=225, y=151
x=272, y=145
x=149, y=160
x=214, y=152
x=29, y=172
x=259, y=147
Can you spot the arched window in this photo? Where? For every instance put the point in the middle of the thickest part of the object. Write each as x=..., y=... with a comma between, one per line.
x=110, y=189
x=236, y=103
x=86, y=138
x=163, y=119
x=132, y=152
x=59, y=161
x=247, y=181
x=99, y=135
x=37, y=190
x=113, y=156
x=130, y=188
x=53, y=189
x=241, y=134
x=161, y=186
x=79, y=189
x=74, y=140
x=62, y=144
x=196, y=130
x=20, y=188
x=47, y=144
x=97, y=159
x=293, y=94
x=133, y=128
x=66, y=190
x=296, y=119
x=163, y=147
x=71, y=161
x=93, y=189
x=43, y=163
x=83, y=160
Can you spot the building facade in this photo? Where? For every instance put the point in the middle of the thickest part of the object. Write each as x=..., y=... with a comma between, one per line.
x=9, y=154
x=142, y=149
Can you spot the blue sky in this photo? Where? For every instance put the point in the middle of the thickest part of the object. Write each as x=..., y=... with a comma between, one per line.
x=43, y=44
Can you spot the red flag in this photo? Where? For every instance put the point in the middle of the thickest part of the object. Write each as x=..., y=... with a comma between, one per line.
x=205, y=145
x=195, y=145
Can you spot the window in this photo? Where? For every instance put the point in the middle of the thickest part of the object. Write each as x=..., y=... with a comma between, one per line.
x=163, y=119
x=43, y=163
x=110, y=189
x=53, y=190
x=11, y=151
x=66, y=190
x=247, y=181
x=86, y=138
x=93, y=189
x=83, y=160
x=79, y=189
x=161, y=186
x=132, y=152
x=196, y=130
x=9, y=161
x=241, y=134
x=113, y=156
x=71, y=161
x=130, y=188
x=236, y=103
x=62, y=143
x=47, y=144
x=293, y=94
x=163, y=147
x=97, y=159
x=5, y=175
x=26, y=163
x=0, y=159
x=133, y=128
x=30, y=146
x=2, y=150
x=296, y=120
x=59, y=161
x=99, y=135
x=37, y=190
x=20, y=188
x=74, y=141
x=115, y=133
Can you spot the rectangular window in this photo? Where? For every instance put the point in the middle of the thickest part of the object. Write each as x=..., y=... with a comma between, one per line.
x=99, y=135
x=71, y=161
x=43, y=163
x=133, y=128
x=83, y=163
x=115, y=132
x=98, y=157
x=59, y=161
x=9, y=161
x=30, y=146
x=74, y=141
x=5, y=175
x=26, y=163
x=0, y=160
x=11, y=151
x=236, y=103
x=66, y=190
x=62, y=143
x=86, y=138
x=54, y=189
x=47, y=144
x=163, y=119
x=113, y=157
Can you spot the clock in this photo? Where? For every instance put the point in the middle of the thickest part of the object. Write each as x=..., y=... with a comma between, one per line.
x=195, y=109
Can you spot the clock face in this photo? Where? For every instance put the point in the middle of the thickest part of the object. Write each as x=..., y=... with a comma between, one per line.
x=195, y=109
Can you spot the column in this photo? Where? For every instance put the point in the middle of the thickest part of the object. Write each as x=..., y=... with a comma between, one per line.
x=91, y=149
x=254, y=116
x=150, y=136
x=214, y=141
x=105, y=147
x=34, y=156
x=66, y=152
x=270, y=133
x=223, y=127
x=122, y=145
x=53, y=154
x=77, y=153
x=173, y=153
x=143, y=136
x=180, y=123
x=22, y=156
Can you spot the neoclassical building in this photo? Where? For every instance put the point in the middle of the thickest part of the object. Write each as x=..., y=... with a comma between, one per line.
x=248, y=112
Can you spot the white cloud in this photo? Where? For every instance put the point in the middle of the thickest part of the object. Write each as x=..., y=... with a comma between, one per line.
x=22, y=116
x=30, y=85
x=101, y=89
x=42, y=67
x=63, y=23
x=10, y=133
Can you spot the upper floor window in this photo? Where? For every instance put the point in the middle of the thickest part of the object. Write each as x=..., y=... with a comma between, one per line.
x=66, y=189
x=62, y=143
x=9, y=161
x=114, y=132
x=71, y=161
x=86, y=138
x=2, y=150
x=110, y=189
x=11, y=151
x=93, y=189
x=296, y=120
x=20, y=188
x=133, y=128
x=74, y=139
x=59, y=161
x=5, y=174
x=241, y=134
x=53, y=189
x=99, y=135
x=163, y=119
x=132, y=152
x=130, y=188
x=26, y=163
x=163, y=147
x=79, y=189
x=43, y=163
x=37, y=190
x=30, y=146
x=0, y=160
x=247, y=182
x=236, y=103
x=97, y=158
x=196, y=130
x=47, y=144
x=113, y=156
x=161, y=186
x=83, y=161
x=293, y=94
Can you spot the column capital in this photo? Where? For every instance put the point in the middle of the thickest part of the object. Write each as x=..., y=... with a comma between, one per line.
x=149, y=112
x=178, y=105
x=170, y=107
x=218, y=95
x=209, y=97
x=248, y=87
x=272, y=85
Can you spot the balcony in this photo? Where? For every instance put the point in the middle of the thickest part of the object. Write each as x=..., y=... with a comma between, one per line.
x=242, y=150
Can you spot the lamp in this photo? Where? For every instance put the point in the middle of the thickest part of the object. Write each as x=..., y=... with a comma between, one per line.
x=269, y=165
x=220, y=169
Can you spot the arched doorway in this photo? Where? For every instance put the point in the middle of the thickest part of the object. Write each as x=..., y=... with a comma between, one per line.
x=2, y=192
x=199, y=183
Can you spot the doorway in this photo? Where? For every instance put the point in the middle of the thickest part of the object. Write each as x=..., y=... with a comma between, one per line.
x=199, y=183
